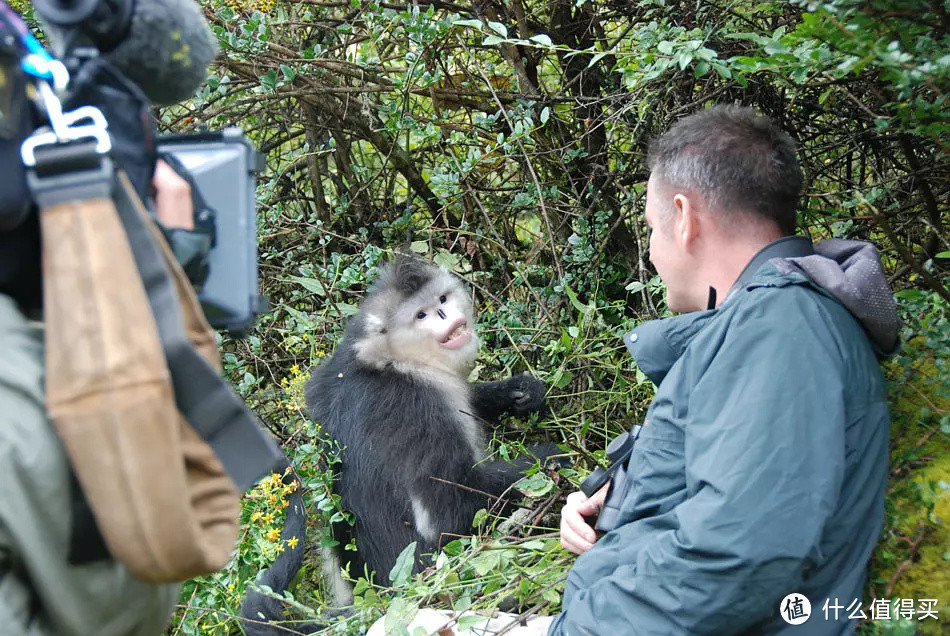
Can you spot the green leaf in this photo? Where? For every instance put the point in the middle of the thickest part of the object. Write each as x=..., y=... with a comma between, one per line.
x=446, y=259
x=492, y=40
x=401, y=572
x=584, y=309
x=542, y=39
x=344, y=310
x=635, y=286
x=536, y=485
x=535, y=545
x=562, y=378
x=486, y=562
x=942, y=255
x=419, y=247
x=290, y=74
x=665, y=47
x=499, y=28
x=469, y=23
x=269, y=80
x=310, y=284
x=546, y=114
x=596, y=58
x=480, y=516
x=303, y=320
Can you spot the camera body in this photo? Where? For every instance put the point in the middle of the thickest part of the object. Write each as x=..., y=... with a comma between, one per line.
x=224, y=166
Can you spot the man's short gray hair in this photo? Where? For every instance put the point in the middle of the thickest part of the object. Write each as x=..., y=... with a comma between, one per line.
x=737, y=159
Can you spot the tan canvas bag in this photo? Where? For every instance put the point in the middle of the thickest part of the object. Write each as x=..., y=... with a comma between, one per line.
x=161, y=498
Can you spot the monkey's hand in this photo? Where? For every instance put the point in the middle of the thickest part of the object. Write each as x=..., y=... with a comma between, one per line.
x=551, y=456
x=527, y=394
x=518, y=395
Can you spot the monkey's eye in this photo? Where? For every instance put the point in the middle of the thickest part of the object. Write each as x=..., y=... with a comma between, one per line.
x=421, y=315
x=442, y=299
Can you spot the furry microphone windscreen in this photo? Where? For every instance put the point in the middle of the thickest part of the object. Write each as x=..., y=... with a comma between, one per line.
x=167, y=51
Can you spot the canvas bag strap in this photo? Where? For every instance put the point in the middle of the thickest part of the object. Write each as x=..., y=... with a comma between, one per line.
x=160, y=497
x=218, y=415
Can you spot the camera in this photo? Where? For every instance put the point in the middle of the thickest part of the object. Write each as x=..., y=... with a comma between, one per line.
x=222, y=166
x=618, y=452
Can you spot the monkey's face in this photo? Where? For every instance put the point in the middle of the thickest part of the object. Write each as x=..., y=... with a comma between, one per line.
x=431, y=328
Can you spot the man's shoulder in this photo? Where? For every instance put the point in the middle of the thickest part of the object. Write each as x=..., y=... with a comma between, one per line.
x=788, y=299
x=790, y=310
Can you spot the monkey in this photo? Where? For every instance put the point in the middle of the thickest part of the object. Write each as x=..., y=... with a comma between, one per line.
x=395, y=399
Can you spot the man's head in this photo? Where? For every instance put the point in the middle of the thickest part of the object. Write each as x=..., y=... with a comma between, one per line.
x=724, y=183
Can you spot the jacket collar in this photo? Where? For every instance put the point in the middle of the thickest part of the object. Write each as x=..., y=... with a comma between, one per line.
x=657, y=344
x=785, y=247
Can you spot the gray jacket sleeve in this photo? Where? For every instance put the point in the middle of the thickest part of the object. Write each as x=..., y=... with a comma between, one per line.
x=764, y=455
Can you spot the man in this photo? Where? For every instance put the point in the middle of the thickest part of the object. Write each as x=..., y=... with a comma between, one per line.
x=758, y=477
x=759, y=472
x=43, y=590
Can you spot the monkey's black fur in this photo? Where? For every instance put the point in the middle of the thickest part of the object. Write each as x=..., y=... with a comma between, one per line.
x=394, y=399
x=258, y=608
x=398, y=437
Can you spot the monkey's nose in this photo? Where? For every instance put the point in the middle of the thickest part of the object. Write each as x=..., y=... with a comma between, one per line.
x=441, y=314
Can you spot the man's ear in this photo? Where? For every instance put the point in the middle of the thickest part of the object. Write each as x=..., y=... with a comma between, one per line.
x=685, y=221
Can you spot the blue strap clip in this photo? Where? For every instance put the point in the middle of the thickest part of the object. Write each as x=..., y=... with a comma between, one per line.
x=41, y=65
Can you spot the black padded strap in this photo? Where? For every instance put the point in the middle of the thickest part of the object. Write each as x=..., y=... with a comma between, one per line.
x=218, y=415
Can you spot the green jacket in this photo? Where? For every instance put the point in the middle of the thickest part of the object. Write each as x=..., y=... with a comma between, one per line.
x=760, y=470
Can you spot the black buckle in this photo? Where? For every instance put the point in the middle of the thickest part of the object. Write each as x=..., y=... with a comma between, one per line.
x=70, y=159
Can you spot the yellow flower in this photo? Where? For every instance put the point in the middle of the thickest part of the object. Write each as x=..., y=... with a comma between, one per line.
x=256, y=516
x=292, y=542
x=294, y=370
x=273, y=534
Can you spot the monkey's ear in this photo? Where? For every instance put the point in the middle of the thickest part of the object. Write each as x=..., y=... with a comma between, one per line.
x=372, y=347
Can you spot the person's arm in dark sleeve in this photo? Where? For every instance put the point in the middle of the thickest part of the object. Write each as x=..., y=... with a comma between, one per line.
x=764, y=455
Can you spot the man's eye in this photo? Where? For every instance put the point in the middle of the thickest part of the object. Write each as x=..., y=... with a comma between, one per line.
x=442, y=298
x=421, y=315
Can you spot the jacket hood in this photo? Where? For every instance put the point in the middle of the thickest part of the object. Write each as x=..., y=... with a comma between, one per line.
x=851, y=272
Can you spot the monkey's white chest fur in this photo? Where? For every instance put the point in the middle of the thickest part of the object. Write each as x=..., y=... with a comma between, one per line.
x=455, y=392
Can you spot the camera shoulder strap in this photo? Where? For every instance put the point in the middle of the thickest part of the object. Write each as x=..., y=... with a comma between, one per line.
x=156, y=438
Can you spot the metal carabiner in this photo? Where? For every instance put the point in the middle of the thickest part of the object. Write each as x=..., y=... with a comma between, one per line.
x=86, y=122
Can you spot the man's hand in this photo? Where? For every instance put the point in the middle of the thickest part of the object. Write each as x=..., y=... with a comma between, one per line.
x=173, y=205
x=576, y=535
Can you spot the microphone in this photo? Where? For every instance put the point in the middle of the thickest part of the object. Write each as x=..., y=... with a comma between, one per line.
x=164, y=46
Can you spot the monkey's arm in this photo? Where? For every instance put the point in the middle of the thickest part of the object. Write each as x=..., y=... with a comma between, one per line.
x=518, y=395
x=497, y=476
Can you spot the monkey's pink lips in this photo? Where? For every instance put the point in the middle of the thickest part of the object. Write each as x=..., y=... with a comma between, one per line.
x=458, y=336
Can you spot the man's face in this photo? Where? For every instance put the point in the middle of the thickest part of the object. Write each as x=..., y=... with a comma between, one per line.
x=666, y=253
